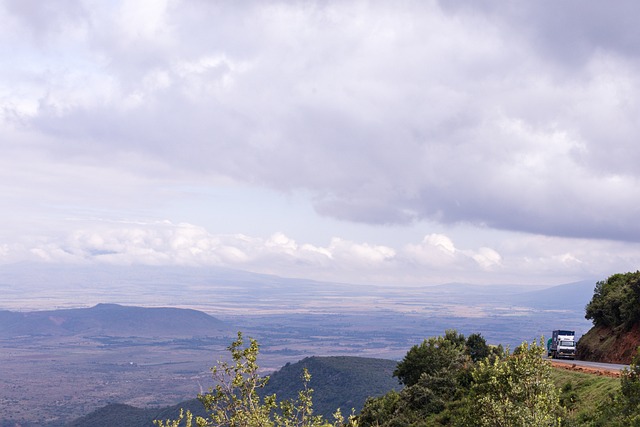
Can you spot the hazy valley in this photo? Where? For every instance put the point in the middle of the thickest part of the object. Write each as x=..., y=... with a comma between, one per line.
x=62, y=364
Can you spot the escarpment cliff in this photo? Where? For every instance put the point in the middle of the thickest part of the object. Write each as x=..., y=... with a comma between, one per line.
x=615, y=311
x=605, y=344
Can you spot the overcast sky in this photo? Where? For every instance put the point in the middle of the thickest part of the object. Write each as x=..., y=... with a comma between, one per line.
x=410, y=142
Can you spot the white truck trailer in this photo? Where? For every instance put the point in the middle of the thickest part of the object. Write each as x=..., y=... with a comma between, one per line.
x=562, y=344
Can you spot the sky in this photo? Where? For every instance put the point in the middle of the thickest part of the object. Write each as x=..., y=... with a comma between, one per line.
x=391, y=143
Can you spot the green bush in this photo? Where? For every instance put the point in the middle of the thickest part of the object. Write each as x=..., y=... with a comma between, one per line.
x=235, y=402
x=616, y=301
x=515, y=391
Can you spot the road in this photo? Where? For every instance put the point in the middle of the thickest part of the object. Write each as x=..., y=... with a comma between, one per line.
x=594, y=365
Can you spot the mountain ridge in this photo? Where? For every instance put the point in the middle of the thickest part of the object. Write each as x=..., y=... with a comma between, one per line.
x=113, y=320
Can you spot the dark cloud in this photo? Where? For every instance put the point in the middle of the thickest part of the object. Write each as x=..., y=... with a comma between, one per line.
x=43, y=20
x=569, y=31
x=518, y=116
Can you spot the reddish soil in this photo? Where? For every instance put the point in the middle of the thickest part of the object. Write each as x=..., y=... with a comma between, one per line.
x=628, y=345
x=608, y=345
x=614, y=373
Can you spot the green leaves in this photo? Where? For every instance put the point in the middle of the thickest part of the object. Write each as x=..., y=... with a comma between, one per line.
x=235, y=402
x=516, y=391
x=436, y=375
x=498, y=389
x=432, y=355
x=616, y=301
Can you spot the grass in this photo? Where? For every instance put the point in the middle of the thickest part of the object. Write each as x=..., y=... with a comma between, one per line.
x=582, y=393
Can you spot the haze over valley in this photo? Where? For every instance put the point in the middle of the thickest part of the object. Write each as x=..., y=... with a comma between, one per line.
x=64, y=363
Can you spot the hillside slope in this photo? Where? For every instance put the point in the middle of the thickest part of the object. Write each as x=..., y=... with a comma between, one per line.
x=609, y=345
x=118, y=414
x=615, y=313
x=343, y=382
x=569, y=296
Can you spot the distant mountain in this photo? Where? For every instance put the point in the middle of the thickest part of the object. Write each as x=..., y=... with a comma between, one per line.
x=473, y=289
x=570, y=296
x=111, y=320
x=338, y=382
x=239, y=291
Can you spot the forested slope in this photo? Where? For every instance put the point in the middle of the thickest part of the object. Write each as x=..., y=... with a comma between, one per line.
x=615, y=312
x=338, y=382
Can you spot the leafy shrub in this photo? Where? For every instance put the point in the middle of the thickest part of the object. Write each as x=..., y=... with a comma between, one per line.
x=616, y=301
x=235, y=402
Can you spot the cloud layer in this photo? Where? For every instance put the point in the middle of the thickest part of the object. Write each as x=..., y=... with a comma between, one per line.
x=519, y=117
x=435, y=259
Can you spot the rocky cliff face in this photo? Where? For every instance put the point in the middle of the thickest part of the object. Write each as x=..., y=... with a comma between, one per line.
x=609, y=345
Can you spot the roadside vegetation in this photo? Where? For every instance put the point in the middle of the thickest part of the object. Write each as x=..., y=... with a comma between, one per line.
x=581, y=393
x=615, y=301
x=448, y=380
x=448, y=384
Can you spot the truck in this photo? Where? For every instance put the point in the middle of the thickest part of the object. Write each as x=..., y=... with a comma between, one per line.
x=562, y=344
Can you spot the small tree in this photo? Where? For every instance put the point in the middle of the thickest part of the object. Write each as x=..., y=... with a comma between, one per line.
x=615, y=302
x=624, y=407
x=477, y=347
x=431, y=356
x=235, y=402
x=516, y=391
x=436, y=374
x=630, y=386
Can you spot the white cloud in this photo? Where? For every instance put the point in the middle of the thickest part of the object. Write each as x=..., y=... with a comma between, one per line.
x=491, y=116
x=384, y=114
x=280, y=242
x=487, y=258
x=360, y=253
x=142, y=19
x=441, y=242
x=186, y=244
x=436, y=259
x=438, y=251
x=435, y=250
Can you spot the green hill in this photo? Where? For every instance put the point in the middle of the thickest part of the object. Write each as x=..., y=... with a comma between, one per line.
x=338, y=382
x=118, y=414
